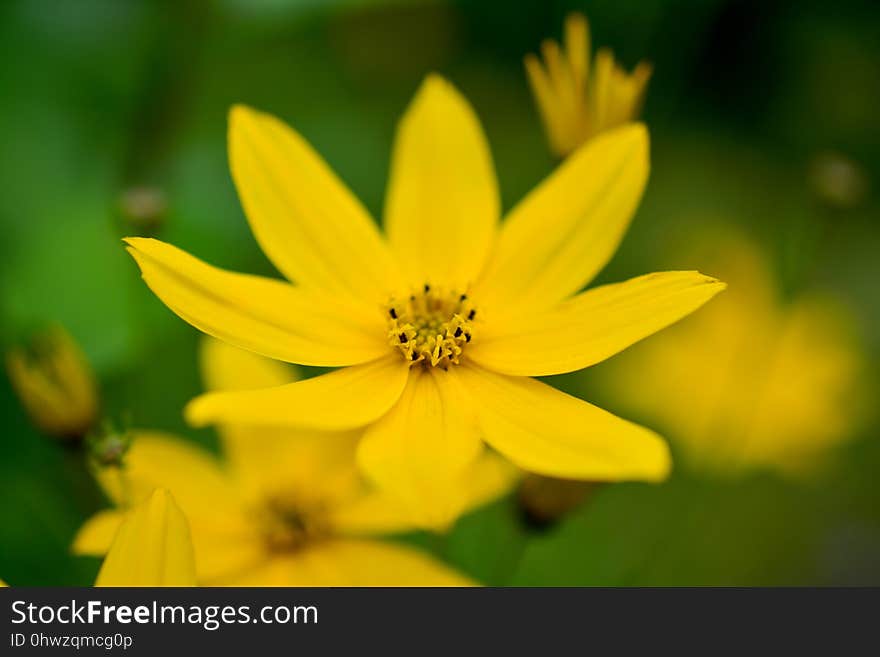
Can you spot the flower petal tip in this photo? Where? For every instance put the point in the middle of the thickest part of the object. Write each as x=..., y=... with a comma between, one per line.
x=197, y=412
x=240, y=112
x=663, y=464
x=637, y=131
x=435, y=81
x=436, y=89
x=711, y=281
x=135, y=242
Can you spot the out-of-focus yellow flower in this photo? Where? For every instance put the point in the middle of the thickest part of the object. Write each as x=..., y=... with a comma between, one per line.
x=286, y=508
x=439, y=329
x=151, y=547
x=55, y=383
x=577, y=101
x=749, y=382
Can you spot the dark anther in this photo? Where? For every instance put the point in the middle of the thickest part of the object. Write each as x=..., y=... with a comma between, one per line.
x=403, y=337
x=462, y=297
x=458, y=332
x=412, y=297
x=467, y=337
x=472, y=314
x=414, y=356
x=427, y=288
x=393, y=313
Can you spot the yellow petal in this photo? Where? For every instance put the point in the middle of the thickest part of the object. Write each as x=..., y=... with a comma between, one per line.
x=548, y=432
x=560, y=235
x=316, y=465
x=351, y=562
x=344, y=399
x=218, y=554
x=443, y=204
x=577, y=48
x=307, y=222
x=603, y=87
x=265, y=460
x=490, y=477
x=226, y=367
x=152, y=547
x=421, y=448
x=263, y=315
x=549, y=108
x=96, y=535
x=375, y=512
x=381, y=512
x=592, y=326
x=157, y=460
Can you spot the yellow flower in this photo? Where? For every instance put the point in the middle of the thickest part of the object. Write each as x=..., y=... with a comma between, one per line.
x=55, y=384
x=749, y=382
x=151, y=547
x=438, y=329
x=576, y=102
x=285, y=507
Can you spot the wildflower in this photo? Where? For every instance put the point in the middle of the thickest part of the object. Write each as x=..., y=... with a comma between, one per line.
x=55, y=384
x=437, y=330
x=151, y=547
x=750, y=382
x=284, y=507
x=577, y=101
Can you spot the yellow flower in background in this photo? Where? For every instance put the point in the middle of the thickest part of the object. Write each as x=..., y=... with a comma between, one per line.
x=438, y=329
x=55, y=383
x=151, y=547
x=577, y=101
x=284, y=508
x=750, y=382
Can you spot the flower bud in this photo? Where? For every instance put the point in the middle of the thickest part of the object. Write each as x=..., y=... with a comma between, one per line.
x=545, y=500
x=143, y=209
x=108, y=445
x=55, y=384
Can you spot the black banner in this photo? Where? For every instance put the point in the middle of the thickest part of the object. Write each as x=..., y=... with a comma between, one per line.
x=413, y=621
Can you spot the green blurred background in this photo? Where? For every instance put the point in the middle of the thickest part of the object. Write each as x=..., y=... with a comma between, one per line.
x=102, y=96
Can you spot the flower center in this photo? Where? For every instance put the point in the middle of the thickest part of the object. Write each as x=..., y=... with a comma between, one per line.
x=288, y=526
x=431, y=326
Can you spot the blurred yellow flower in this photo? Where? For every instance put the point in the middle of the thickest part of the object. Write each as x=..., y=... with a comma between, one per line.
x=285, y=508
x=750, y=382
x=151, y=547
x=577, y=102
x=55, y=383
x=437, y=330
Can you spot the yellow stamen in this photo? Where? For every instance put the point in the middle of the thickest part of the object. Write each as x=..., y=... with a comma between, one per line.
x=431, y=326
